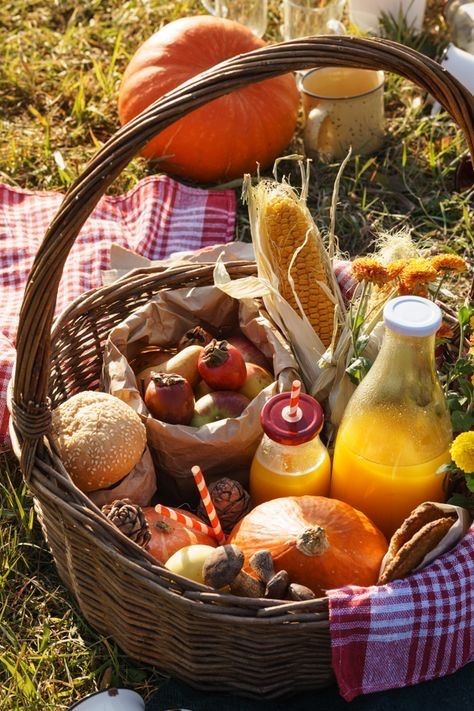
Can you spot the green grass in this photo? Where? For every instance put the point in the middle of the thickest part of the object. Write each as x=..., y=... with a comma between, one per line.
x=48, y=654
x=61, y=67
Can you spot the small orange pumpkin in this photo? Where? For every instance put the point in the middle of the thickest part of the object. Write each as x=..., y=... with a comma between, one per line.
x=322, y=543
x=168, y=536
x=228, y=136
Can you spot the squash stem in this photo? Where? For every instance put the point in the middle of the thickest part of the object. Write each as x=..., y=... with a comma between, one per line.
x=313, y=541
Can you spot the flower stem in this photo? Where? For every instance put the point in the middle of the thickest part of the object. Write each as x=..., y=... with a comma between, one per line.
x=438, y=288
x=355, y=326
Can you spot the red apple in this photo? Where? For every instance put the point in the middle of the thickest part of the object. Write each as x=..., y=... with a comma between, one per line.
x=218, y=406
x=249, y=352
x=257, y=379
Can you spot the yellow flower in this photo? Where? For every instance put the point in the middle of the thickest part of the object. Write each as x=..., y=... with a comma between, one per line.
x=370, y=270
x=417, y=273
x=448, y=263
x=444, y=331
x=462, y=452
x=394, y=269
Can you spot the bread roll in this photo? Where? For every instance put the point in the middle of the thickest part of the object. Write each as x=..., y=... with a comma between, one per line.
x=99, y=437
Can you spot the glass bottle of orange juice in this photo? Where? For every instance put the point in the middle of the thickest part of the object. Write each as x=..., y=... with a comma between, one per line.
x=290, y=460
x=396, y=430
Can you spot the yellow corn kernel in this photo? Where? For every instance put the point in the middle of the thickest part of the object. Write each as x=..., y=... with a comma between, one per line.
x=287, y=227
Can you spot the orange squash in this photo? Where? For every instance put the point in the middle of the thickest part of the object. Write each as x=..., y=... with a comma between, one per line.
x=169, y=536
x=322, y=543
x=227, y=137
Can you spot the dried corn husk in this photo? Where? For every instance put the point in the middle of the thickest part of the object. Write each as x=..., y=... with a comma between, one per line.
x=302, y=294
x=295, y=251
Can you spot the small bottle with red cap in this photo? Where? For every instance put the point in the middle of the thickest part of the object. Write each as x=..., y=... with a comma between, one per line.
x=290, y=460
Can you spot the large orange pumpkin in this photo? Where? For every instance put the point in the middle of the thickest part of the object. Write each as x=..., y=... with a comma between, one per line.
x=227, y=137
x=169, y=536
x=322, y=543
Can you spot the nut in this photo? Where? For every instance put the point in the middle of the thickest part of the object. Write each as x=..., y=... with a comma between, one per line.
x=262, y=563
x=246, y=586
x=222, y=566
x=277, y=585
x=300, y=592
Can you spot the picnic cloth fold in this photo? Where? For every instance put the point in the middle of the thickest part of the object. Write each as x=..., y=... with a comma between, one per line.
x=157, y=217
x=408, y=631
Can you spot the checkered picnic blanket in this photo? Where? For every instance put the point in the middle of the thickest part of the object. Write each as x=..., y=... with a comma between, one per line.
x=156, y=218
x=408, y=631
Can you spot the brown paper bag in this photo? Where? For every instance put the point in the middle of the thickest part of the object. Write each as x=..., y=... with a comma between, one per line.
x=220, y=448
x=139, y=485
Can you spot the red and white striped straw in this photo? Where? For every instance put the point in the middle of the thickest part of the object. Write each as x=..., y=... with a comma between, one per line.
x=187, y=521
x=292, y=413
x=294, y=398
x=208, y=505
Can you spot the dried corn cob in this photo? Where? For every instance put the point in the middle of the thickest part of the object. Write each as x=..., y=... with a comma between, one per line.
x=299, y=259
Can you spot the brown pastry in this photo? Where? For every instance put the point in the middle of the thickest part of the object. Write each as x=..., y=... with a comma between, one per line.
x=419, y=517
x=411, y=553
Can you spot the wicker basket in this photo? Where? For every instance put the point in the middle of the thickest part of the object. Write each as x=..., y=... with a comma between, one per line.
x=257, y=647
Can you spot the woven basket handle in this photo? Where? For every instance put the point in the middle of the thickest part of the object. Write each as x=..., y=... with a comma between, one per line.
x=31, y=413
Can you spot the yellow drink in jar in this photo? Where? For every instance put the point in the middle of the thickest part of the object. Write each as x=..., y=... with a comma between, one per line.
x=389, y=487
x=288, y=472
x=290, y=460
x=396, y=430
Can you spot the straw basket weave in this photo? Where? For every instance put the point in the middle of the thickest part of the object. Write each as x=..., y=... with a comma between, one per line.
x=258, y=647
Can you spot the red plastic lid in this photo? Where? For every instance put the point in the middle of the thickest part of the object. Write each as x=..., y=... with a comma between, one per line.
x=279, y=427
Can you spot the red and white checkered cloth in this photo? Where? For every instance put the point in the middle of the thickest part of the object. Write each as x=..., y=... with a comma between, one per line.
x=157, y=217
x=406, y=632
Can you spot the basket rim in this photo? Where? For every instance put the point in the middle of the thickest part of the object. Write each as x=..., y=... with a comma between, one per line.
x=128, y=283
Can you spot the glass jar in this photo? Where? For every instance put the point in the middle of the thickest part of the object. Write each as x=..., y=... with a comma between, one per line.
x=396, y=430
x=290, y=460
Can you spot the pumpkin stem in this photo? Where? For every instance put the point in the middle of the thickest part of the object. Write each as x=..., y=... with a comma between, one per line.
x=313, y=541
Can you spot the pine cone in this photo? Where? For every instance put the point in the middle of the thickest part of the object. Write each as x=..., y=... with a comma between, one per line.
x=231, y=501
x=129, y=517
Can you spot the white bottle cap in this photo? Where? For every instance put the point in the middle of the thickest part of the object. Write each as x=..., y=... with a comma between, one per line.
x=412, y=316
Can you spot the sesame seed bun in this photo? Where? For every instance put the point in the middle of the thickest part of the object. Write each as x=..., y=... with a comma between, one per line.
x=99, y=437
